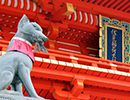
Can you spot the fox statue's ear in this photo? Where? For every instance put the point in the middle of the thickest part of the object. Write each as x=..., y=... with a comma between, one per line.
x=22, y=21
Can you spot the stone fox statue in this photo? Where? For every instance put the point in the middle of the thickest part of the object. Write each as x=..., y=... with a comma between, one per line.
x=16, y=64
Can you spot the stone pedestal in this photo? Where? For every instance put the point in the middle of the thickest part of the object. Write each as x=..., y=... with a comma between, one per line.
x=11, y=95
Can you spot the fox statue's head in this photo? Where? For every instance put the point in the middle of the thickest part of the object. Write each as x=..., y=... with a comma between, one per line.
x=32, y=32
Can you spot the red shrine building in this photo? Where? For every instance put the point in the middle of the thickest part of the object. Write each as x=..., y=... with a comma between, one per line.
x=88, y=48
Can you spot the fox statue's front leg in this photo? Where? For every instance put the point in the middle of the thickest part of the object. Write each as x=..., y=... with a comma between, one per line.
x=6, y=78
x=16, y=85
x=6, y=71
x=24, y=75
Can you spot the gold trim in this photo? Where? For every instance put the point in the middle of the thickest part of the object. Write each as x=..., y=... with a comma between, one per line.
x=100, y=36
x=100, y=42
x=100, y=20
x=100, y=31
x=123, y=44
x=100, y=52
x=105, y=44
x=70, y=9
x=106, y=40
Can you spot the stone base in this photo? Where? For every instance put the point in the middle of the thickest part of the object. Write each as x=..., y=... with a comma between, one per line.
x=12, y=95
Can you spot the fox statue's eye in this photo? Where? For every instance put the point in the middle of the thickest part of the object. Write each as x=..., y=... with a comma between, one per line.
x=36, y=27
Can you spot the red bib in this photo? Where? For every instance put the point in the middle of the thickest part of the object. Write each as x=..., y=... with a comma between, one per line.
x=23, y=46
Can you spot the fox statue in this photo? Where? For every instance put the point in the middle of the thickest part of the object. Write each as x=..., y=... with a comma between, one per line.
x=16, y=64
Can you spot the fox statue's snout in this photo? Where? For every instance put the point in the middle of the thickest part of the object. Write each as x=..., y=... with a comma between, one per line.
x=34, y=30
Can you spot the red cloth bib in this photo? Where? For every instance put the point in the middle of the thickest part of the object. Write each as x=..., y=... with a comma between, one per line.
x=23, y=47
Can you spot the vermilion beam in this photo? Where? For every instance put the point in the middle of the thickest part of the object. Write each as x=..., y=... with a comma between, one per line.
x=82, y=59
x=97, y=2
x=77, y=88
x=123, y=5
x=95, y=9
x=45, y=5
x=42, y=83
x=85, y=27
x=126, y=9
x=19, y=13
x=88, y=79
x=103, y=2
x=107, y=93
x=108, y=3
x=16, y=12
x=63, y=95
x=116, y=4
x=93, y=91
x=56, y=88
